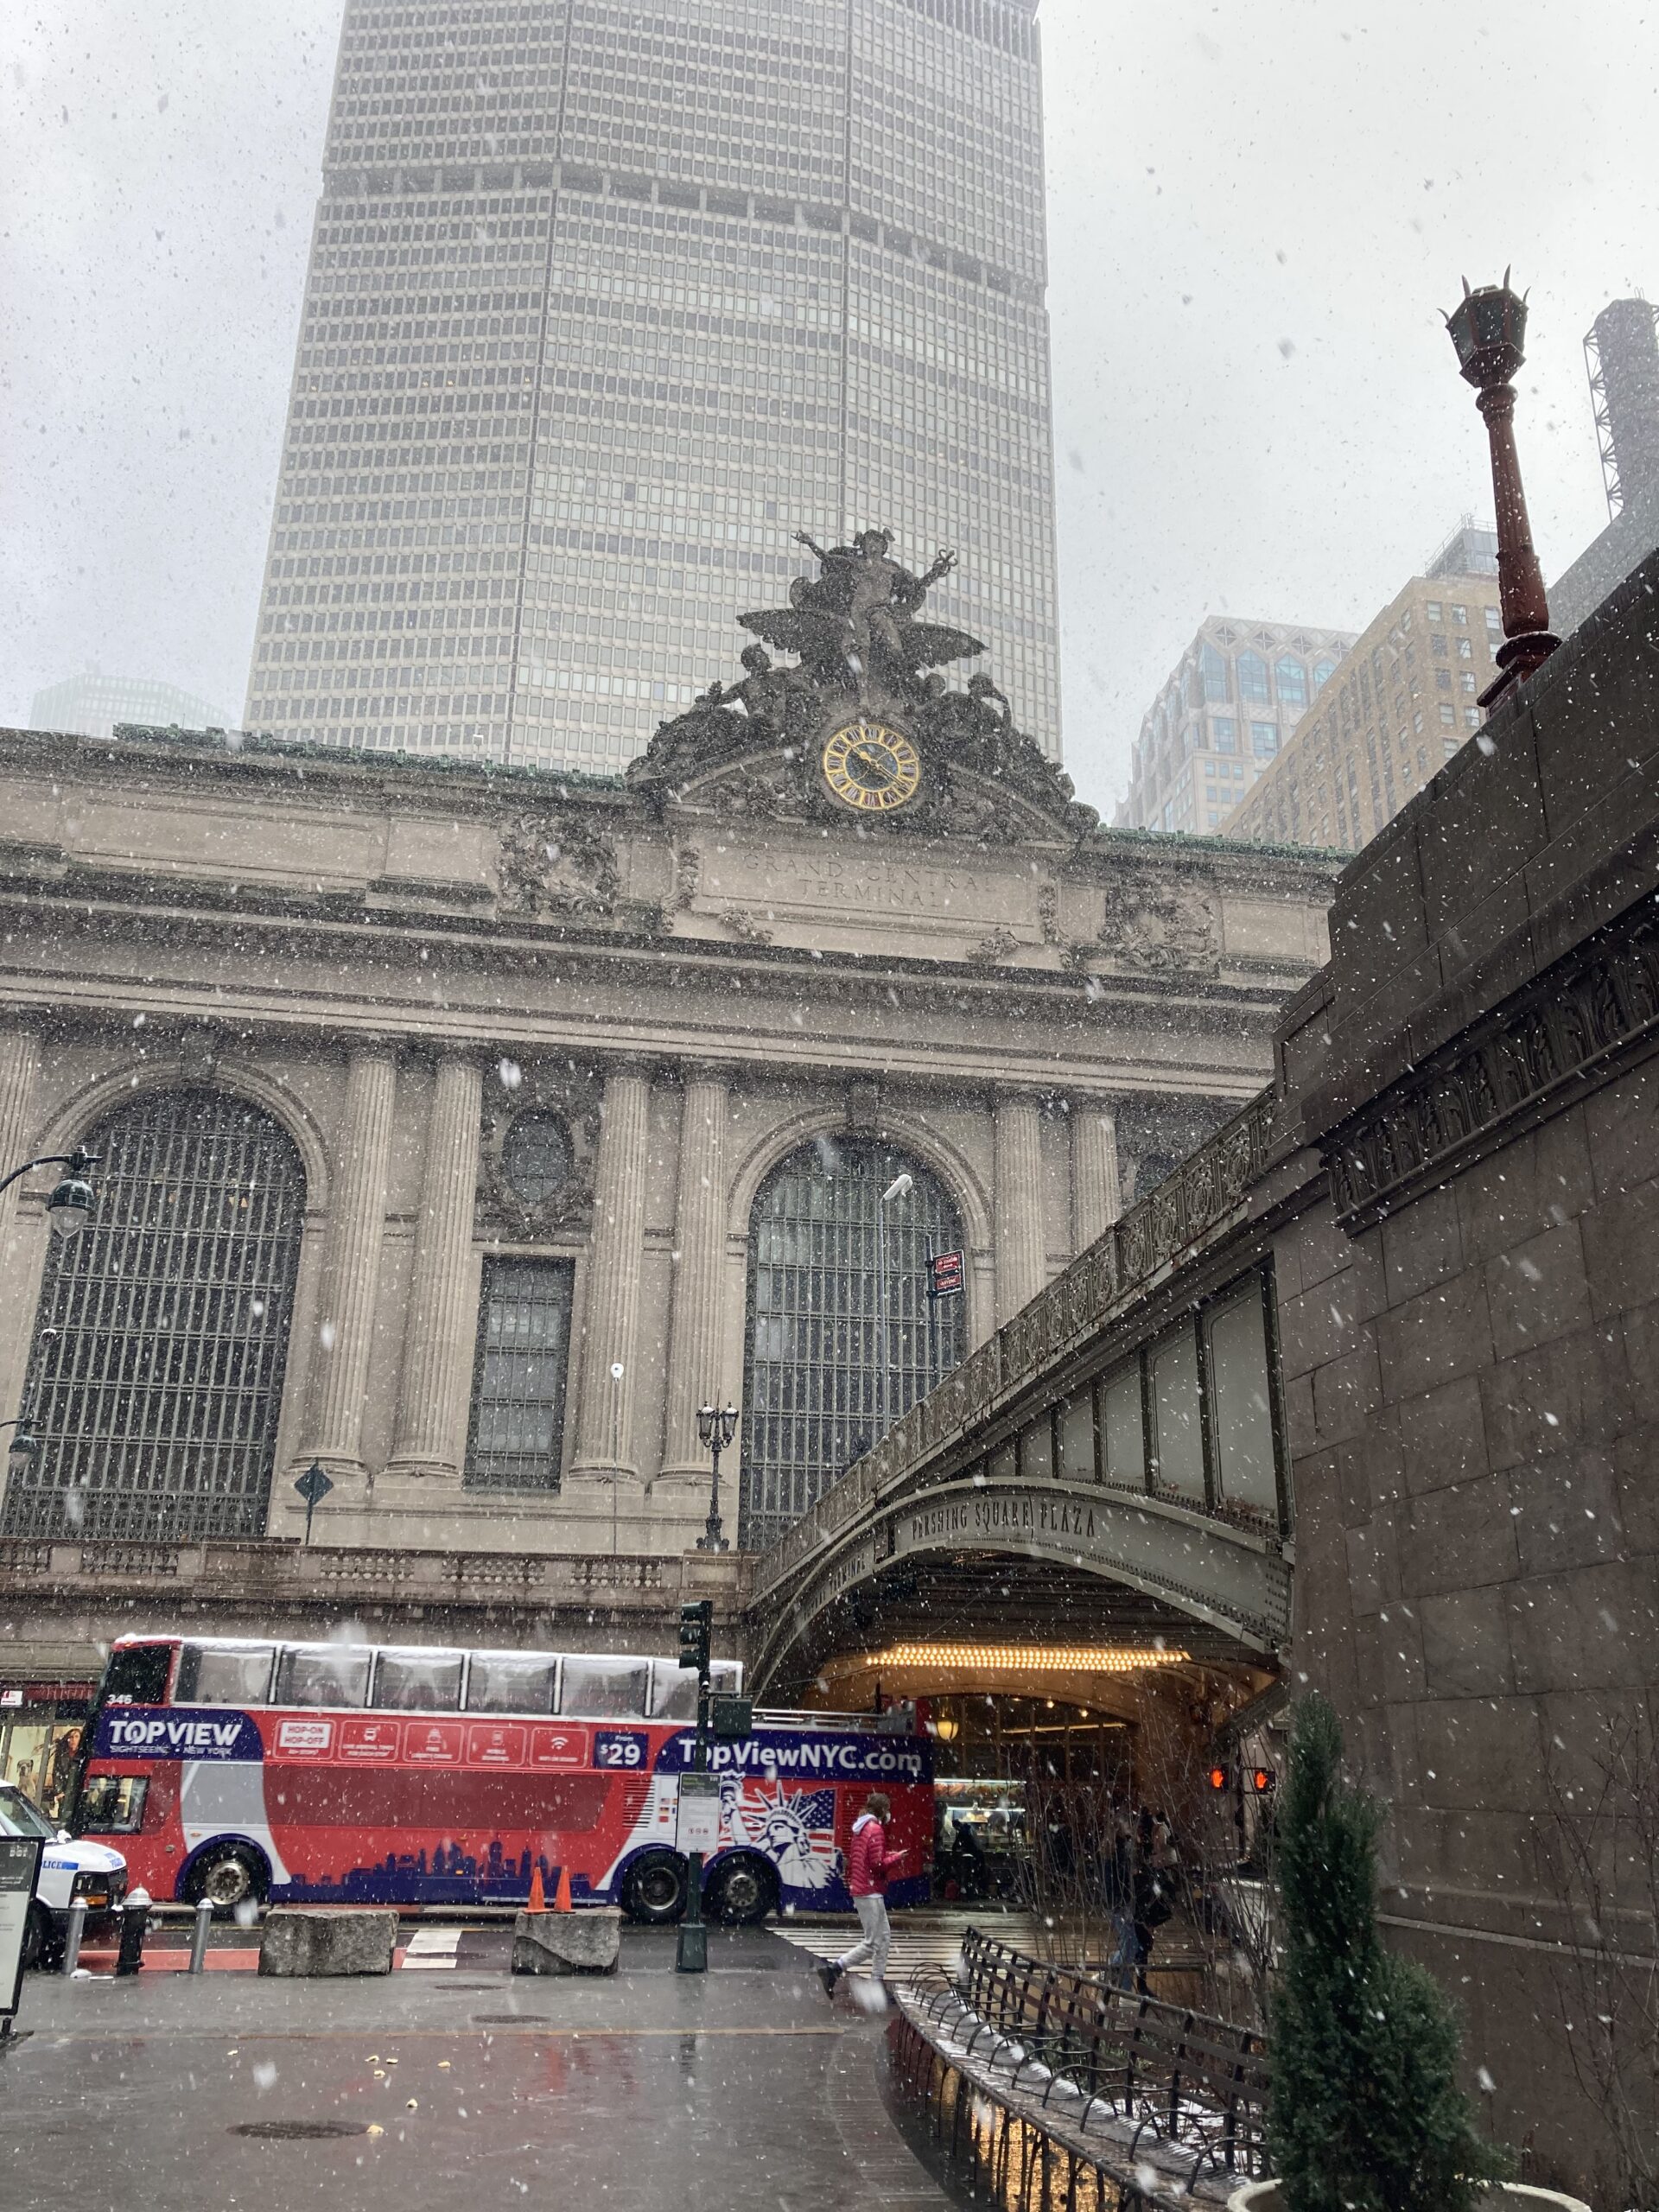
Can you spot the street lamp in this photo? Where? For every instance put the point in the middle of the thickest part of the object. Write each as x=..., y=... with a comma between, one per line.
x=1488, y=329
x=716, y=1429
x=23, y=1446
x=70, y=1206
x=900, y=1187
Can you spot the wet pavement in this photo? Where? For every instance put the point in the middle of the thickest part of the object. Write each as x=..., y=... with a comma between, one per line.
x=647, y=2091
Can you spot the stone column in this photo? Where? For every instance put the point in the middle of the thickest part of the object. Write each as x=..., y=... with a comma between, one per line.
x=1021, y=1243
x=351, y=1275
x=1096, y=1190
x=441, y=1330
x=611, y=1307
x=697, y=1321
x=19, y=1060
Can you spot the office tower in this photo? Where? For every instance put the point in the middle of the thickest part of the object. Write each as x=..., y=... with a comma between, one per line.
x=1402, y=703
x=1621, y=351
x=605, y=302
x=1231, y=702
x=92, y=705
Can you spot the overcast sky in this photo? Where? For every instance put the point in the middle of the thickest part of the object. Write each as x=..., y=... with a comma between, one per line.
x=1255, y=213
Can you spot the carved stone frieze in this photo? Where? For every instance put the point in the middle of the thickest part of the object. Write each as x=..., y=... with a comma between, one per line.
x=1000, y=945
x=555, y=863
x=1586, y=1010
x=1160, y=928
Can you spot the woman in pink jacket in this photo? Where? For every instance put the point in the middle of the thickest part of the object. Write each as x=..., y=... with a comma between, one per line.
x=868, y=1864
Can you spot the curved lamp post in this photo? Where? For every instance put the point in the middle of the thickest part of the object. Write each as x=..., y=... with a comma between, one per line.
x=716, y=1427
x=70, y=1206
x=1489, y=328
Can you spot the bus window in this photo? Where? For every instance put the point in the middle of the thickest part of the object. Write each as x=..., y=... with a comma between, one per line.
x=418, y=1681
x=113, y=1804
x=136, y=1674
x=512, y=1682
x=224, y=1674
x=323, y=1674
x=673, y=1691
x=604, y=1688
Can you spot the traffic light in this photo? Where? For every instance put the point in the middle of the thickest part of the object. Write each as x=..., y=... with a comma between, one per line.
x=696, y=1622
x=1219, y=1779
x=1263, y=1781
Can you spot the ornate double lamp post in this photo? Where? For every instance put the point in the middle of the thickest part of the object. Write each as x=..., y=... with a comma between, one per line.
x=716, y=1427
x=1488, y=329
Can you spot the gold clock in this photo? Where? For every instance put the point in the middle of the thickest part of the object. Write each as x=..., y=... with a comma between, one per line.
x=871, y=768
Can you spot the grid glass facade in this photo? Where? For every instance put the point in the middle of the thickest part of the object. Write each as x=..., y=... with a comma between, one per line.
x=605, y=302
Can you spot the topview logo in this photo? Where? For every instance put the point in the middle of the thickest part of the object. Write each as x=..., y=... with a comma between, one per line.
x=136, y=1732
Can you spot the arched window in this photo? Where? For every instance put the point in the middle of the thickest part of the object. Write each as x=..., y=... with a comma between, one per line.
x=828, y=1263
x=1292, y=679
x=155, y=1378
x=1253, y=679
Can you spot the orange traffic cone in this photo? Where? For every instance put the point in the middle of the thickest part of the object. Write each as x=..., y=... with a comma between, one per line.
x=538, y=1894
x=562, y=1895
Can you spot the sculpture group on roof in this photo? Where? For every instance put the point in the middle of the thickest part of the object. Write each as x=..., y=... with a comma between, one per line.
x=858, y=646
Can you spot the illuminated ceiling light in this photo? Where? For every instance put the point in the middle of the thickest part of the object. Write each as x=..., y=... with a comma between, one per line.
x=1028, y=1659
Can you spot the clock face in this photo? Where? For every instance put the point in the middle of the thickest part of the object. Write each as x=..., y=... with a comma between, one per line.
x=871, y=768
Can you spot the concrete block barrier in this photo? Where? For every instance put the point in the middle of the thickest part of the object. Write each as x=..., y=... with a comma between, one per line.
x=589, y=1941
x=301, y=1941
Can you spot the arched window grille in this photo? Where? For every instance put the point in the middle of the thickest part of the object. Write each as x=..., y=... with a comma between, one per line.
x=155, y=1378
x=824, y=1378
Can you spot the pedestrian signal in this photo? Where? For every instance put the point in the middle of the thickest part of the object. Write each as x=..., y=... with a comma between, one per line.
x=696, y=1622
x=944, y=1275
x=1219, y=1777
x=1262, y=1779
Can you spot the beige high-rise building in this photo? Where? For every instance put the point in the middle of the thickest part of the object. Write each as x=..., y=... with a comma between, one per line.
x=1405, y=701
x=1228, y=704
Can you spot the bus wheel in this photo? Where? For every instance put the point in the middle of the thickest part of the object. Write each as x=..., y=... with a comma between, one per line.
x=654, y=1889
x=227, y=1877
x=742, y=1891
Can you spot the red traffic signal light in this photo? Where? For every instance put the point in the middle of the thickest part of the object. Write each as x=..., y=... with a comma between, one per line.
x=1219, y=1777
x=1262, y=1779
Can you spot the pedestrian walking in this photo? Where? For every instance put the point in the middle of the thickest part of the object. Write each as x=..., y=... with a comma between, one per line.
x=868, y=1864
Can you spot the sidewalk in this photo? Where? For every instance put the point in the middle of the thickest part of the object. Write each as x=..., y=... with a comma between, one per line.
x=653, y=2090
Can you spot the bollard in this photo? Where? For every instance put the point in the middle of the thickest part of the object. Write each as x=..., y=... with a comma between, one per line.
x=199, y=1936
x=135, y=1919
x=72, y=1933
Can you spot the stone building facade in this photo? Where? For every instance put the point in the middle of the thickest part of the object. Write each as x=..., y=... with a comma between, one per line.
x=363, y=1040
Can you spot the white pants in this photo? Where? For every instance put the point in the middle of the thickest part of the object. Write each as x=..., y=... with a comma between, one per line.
x=878, y=1936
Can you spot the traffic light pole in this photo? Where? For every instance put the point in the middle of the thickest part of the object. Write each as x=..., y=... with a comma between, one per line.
x=691, y=1953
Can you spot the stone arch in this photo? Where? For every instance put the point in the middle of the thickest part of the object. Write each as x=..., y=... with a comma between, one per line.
x=936, y=1153
x=72, y=1121
x=161, y=1331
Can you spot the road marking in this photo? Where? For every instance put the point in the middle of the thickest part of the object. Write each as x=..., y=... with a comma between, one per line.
x=432, y=1950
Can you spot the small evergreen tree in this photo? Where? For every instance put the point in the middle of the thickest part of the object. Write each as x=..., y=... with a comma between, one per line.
x=1366, y=2113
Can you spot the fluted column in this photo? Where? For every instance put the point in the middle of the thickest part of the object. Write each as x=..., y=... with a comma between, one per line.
x=1021, y=1243
x=351, y=1278
x=1096, y=1190
x=611, y=1309
x=19, y=1060
x=442, y=1325
x=696, y=1320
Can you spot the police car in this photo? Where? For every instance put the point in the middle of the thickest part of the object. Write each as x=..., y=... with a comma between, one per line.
x=72, y=1870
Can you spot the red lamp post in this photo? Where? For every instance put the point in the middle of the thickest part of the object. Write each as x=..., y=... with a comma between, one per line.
x=1488, y=329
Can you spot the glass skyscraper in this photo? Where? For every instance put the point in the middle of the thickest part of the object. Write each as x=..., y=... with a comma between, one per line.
x=606, y=298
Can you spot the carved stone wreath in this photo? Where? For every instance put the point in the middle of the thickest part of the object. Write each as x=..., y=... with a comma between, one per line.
x=556, y=864
x=1161, y=929
x=574, y=1096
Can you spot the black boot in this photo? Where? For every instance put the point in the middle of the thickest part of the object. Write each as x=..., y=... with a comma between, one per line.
x=830, y=1974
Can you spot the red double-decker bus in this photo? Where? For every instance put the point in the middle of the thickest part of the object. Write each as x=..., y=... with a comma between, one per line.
x=353, y=1773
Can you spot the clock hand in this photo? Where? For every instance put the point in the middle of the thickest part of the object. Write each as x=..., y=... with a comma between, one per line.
x=865, y=760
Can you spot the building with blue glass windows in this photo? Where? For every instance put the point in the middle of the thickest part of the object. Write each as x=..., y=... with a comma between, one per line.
x=1231, y=702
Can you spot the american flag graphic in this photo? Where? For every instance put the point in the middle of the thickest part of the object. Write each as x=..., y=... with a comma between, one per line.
x=795, y=1828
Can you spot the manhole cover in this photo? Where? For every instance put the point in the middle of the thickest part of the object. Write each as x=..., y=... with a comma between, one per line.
x=300, y=2130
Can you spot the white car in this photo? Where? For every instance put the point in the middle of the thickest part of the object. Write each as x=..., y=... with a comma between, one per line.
x=71, y=1870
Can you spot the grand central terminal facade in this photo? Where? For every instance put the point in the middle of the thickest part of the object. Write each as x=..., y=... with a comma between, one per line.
x=463, y=1131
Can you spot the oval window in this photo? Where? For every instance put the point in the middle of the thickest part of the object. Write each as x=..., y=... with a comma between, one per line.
x=536, y=1158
